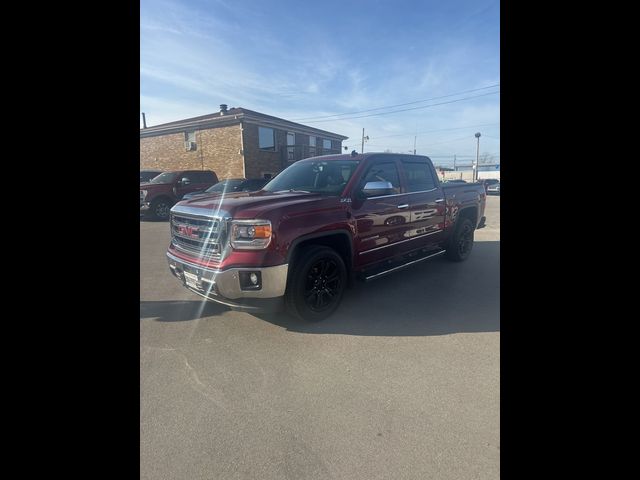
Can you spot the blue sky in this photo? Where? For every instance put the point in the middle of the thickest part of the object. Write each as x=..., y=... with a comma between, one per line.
x=303, y=60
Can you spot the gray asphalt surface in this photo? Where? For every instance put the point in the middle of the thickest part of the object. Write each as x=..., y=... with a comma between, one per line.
x=403, y=382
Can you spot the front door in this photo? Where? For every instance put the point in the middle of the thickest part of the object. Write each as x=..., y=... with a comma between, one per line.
x=381, y=220
x=195, y=184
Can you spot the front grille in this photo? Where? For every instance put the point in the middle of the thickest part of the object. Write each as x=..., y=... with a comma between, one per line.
x=198, y=236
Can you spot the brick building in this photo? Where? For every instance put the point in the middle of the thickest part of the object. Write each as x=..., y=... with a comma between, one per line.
x=234, y=143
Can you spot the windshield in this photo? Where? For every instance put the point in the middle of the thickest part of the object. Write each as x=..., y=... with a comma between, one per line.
x=223, y=186
x=146, y=176
x=328, y=177
x=167, y=177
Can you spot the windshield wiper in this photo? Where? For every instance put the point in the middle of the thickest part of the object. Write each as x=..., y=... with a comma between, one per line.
x=291, y=190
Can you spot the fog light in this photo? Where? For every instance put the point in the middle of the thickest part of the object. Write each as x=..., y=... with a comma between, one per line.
x=250, y=280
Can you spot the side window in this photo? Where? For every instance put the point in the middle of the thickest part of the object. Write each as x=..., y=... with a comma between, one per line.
x=418, y=176
x=206, y=177
x=191, y=176
x=312, y=146
x=382, y=172
x=291, y=141
x=190, y=141
x=266, y=139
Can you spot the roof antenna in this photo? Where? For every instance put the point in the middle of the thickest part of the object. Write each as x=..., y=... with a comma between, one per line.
x=354, y=153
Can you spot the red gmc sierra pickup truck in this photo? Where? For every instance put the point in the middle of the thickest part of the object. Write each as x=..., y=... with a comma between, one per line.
x=317, y=226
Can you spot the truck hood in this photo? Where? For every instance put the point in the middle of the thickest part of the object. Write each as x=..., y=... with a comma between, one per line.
x=248, y=204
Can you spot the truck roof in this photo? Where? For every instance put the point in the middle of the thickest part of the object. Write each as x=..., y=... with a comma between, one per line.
x=361, y=156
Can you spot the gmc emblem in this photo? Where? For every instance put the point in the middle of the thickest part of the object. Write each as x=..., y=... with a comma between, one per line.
x=188, y=231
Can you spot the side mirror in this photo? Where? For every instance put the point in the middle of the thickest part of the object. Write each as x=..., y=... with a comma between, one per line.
x=374, y=189
x=185, y=181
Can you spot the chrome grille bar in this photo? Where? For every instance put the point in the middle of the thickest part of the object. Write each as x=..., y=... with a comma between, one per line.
x=198, y=235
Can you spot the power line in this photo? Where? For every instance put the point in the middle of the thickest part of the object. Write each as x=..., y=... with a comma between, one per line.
x=428, y=145
x=407, y=109
x=439, y=130
x=392, y=106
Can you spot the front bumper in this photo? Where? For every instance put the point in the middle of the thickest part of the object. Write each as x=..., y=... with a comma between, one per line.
x=223, y=286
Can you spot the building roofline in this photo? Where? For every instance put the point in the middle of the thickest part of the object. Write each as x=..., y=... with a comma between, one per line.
x=232, y=117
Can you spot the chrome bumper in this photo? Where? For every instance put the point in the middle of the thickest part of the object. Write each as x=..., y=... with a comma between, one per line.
x=219, y=285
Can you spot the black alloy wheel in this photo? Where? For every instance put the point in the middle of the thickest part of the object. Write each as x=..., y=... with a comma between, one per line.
x=316, y=283
x=461, y=241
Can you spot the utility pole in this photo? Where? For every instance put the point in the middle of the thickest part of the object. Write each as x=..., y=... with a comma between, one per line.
x=475, y=170
x=144, y=121
x=454, y=162
x=414, y=144
x=363, y=139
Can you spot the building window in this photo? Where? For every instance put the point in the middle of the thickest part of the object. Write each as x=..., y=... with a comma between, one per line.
x=326, y=144
x=190, y=140
x=266, y=139
x=312, y=146
x=291, y=141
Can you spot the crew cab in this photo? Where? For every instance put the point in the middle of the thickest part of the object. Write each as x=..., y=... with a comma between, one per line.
x=162, y=192
x=322, y=223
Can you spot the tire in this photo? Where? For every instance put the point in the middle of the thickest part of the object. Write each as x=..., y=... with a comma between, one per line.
x=316, y=284
x=461, y=242
x=159, y=208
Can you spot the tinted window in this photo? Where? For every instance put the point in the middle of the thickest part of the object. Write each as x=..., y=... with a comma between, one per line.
x=167, y=177
x=146, y=176
x=418, y=175
x=382, y=172
x=314, y=176
x=206, y=177
x=191, y=176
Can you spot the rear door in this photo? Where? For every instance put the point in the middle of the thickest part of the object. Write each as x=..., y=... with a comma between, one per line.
x=426, y=202
x=381, y=220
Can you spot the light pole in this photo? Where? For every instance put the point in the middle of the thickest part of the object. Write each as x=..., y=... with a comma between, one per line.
x=475, y=170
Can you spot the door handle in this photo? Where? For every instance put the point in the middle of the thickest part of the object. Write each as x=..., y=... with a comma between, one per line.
x=439, y=200
x=404, y=205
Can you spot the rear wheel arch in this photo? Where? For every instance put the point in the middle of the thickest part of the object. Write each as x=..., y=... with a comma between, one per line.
x=468, y=212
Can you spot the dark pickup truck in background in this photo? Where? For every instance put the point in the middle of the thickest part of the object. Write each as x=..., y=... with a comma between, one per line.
x=320, y=224
x=231, y=185
x=162, y=192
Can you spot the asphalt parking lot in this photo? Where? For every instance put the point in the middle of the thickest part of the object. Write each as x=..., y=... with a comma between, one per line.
x=403, y=382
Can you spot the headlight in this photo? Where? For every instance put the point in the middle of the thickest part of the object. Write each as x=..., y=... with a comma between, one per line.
x=250, y=234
